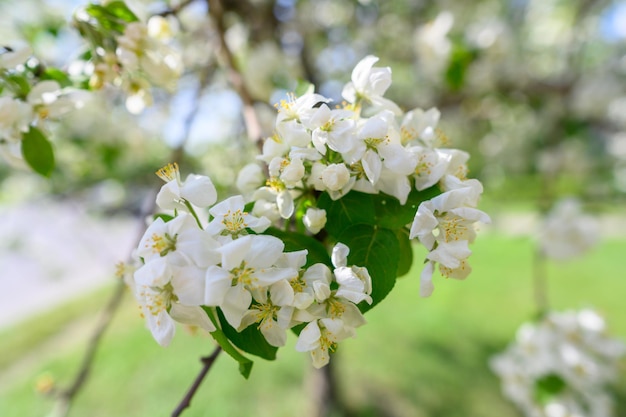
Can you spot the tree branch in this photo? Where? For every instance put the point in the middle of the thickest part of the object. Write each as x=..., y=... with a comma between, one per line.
x=174, y=10
x=251, y=120
x=207, y=363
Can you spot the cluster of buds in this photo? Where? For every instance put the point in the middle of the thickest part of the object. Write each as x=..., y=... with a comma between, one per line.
x=561, y=366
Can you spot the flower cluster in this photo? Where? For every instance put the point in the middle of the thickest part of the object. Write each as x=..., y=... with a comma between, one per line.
x=561, y=366
x=567, y=232
x=445, y=225
x=337, y=150
x=228, y=264
x=28, y=102
x=129, y=53
x=234, y=269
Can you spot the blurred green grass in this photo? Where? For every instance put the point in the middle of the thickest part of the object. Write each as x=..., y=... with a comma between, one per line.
x=416, y=357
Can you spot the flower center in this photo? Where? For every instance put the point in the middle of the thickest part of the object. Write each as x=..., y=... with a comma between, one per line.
x=234, y=222
x=243, y=275
x=163, y=244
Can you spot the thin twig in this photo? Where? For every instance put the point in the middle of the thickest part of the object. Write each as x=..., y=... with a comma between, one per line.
x=207, y=363
x=174, y=10
x=251, y=119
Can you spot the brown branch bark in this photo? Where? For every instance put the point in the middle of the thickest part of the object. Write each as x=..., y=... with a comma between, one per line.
x=250, y=117
x=207, y=363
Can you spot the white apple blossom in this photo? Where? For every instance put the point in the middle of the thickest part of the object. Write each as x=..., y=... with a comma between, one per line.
x=419, y=126
x=369, y=84
x=567, y=232
x=247, y=265
x=320, y=338
x=231, y=219
x=570, y=350
x=168, y=293
x=198, y=190
x=314, y=220
x=335, y=177
x=15, y=119
x=445, y=226
x=11, y=58
x=249, y=178
x=179, y=241
x=138, y=51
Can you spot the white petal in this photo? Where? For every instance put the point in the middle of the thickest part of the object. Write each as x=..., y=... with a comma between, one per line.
x=192, y=315
x=236, y=303
x=426, y=280
x=218, y=282
x=199, y=191
x=340, y=255
x=309, y=337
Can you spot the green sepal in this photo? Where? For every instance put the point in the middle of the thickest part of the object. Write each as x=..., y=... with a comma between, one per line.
x=245, y=364
x=296, y=241
x=37, y=151
x=250, y=339
x=378, y=250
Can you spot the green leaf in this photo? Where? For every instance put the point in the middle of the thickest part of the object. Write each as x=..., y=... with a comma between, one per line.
x=304, y=87
x=55, y=74
x=547, y=387
x=249, y=339
x=352, y=209
x=405, y=258
x=165, y=217
x=37, y=151
x=105, y=19
x=460, y=60
x=296, y=241
x=378, y=250
x=392, y=215
x=18, y=84
x=120, y=10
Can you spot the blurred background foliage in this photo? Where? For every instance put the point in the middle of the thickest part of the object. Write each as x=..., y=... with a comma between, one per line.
x=535, y=90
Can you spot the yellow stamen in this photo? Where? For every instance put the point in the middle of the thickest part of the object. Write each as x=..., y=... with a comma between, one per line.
x=169, y=172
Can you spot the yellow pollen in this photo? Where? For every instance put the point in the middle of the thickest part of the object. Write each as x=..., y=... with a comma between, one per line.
x=442, y=138
x=297, y=284
x=243, y=275
x=275, y=184
x=234, y=222
x=335, y=308
x=169, y=172
x=163, y=244
x=423, y=167
x=407, y=134
x=358, y=170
